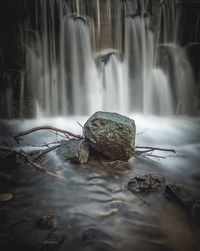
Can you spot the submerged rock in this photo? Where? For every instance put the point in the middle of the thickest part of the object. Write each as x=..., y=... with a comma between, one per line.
x=111, y=134
x=52, y=242
x=48, y=221
x=145, y=183
x=76, y=150
x=179, y=195
x=195, y=209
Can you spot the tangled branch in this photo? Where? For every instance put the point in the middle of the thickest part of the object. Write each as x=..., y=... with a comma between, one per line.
x=18, y=136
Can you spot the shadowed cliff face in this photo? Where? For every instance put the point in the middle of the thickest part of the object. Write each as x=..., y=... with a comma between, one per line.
x=171, y=21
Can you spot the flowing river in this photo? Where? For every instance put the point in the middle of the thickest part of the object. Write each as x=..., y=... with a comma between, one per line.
x=95, y=210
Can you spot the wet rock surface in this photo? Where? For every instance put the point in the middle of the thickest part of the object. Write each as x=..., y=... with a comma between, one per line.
x=48, y=221
x=111, y=134
x=76, y=150
x=179, y=195
x=145, y=183
x=185, y=199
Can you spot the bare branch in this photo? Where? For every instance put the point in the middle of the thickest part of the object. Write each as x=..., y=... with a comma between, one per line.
x=142, y=132
x=80, y=124
x=155, y=149
x=39, y=167
x=32, y=162
x=49, y=149
x=51, y=128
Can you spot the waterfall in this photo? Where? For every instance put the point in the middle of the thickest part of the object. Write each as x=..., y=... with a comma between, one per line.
x=84, y=56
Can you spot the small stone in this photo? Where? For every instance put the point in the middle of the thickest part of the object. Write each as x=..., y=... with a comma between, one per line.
x=76, y=150
x=195, y=210
x=48, y=221
x=179, y=195
x=6, y=197
x=145, y=183
x=111, y=134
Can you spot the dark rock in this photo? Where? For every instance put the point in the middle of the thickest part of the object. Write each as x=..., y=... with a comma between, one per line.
x=179, y=195
x=76, y=150
x=182, y=197
x=48, y=221
x=8, y=158
x=145, y=183
x=52, y=242
x=195, y=210
x=111, y=134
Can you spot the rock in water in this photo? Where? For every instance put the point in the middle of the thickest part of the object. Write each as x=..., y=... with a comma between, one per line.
x=76, y=150
x=111, y=134
x=145, y=183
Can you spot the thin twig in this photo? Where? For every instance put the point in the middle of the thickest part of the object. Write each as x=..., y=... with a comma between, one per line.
x=155, y=156
x=142, y=132
x=45, y=151
x=4, y=143
x=39, y=128
x=5, y=148
x=156, y=148
x=39, y=167
x=33, y=163
x=80, y=124
x=45, y=162
x=143, y=152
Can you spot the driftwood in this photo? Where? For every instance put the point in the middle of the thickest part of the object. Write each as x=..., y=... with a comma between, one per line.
x=39, y=167
x=8, y=150
x=105, y=134
x=150, y=149
x=45, y=151
x=50, y=128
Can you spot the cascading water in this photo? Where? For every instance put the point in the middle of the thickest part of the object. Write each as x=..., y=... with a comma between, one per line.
x=83, y=57
x=87, y=55
x=150, y=88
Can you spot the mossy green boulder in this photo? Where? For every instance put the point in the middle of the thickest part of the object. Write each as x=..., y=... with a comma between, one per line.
x=111, y=134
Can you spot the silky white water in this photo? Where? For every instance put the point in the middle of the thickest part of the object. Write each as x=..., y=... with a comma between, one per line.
x=107, y=56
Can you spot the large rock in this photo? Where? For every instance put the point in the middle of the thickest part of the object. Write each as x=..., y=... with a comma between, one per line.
x=111, y=134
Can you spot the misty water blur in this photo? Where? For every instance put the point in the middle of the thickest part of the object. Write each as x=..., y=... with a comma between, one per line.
x=94, y=202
